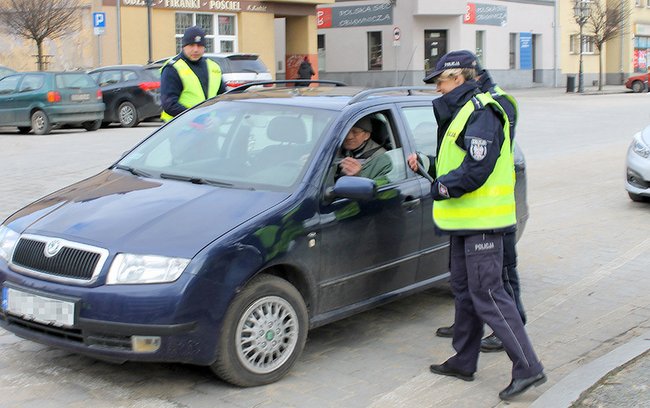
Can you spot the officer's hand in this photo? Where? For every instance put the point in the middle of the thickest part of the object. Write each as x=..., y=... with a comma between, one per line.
x=413, y=161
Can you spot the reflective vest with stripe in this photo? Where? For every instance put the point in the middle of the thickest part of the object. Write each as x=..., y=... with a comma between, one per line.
x=491, y=206
x=192, y=90
x=497, y=91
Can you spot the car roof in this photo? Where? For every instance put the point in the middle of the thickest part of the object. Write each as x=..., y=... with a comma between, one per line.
x=331, y=97
x=123, y=66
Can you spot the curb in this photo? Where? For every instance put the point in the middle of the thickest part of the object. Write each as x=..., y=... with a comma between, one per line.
x=569, y=389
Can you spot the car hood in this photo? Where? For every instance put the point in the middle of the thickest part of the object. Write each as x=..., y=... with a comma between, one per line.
x=122, y=212
x=645, y=135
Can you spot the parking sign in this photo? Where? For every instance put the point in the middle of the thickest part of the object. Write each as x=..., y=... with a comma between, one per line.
x=99, y=23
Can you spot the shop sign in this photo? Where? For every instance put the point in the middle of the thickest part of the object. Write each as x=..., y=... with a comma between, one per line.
x=525, y=51
x=354, y=16
x=199, y=5
x=485, y=14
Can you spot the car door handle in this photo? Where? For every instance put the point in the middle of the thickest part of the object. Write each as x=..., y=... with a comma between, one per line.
x=410, y=203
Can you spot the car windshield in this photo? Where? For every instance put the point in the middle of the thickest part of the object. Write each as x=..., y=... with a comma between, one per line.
x=242, y=144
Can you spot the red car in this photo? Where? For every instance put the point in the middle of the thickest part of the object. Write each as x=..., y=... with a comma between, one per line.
x=637, y=83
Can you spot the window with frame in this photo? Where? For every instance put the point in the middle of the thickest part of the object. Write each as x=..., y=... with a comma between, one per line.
x=31, y=82
x=219, y=37
x=588, y=45
x=480, y=46
x=512, y=53
x=375, y=54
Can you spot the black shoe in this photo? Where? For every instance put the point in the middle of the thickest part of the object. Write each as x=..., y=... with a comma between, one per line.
x=444, y=369
x=491, y=344
x=521, y=385
x=445, y=331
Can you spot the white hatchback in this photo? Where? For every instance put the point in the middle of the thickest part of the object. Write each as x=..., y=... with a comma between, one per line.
x=638, y=166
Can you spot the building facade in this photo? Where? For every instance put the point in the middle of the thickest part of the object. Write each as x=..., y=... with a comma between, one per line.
x=140, y=31
x=383, y=42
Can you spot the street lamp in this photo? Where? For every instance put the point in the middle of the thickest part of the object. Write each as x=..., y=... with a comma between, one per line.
x=581, y=10
x=149, y=5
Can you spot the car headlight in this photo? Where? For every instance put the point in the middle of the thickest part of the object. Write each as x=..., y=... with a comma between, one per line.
x=134, y=269
x=8, y=240
x=640, y=148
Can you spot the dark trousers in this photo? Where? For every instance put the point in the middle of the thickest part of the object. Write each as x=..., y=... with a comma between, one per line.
x=476, y=280
x=510, y=276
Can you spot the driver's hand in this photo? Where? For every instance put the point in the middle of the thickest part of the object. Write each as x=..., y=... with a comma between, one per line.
x=350, y=166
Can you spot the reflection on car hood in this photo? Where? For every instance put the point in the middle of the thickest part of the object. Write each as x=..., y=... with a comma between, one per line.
x=122, y=212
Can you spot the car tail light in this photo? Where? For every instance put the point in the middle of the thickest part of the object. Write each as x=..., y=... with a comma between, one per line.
x=149, y=86
x=235, y=84
x=53, y=96
x=99, y=95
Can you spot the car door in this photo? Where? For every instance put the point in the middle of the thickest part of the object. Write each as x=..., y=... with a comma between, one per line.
x=8, y=87
x=30, y=91
x=420, y=123
x=110, y=82
x=369, y=248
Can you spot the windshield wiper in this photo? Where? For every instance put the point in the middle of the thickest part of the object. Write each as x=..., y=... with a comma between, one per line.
x=133, y=171
x=195, y=180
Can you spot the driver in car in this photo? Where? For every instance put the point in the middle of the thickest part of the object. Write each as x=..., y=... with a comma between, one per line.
x=360, y=155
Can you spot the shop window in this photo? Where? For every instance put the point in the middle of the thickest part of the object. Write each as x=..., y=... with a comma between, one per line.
x=588, y=46
x=513, y=51
x=219, y=37
x=375, y=55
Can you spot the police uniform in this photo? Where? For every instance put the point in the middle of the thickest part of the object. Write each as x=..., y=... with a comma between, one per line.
x=510, y=275
x=474, y=203
x=185, y=83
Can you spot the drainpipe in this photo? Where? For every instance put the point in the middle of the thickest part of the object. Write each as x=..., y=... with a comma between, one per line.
x=119, y=33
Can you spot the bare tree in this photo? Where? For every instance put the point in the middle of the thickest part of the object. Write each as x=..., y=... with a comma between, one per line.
x=40, y=19
x=606, y=23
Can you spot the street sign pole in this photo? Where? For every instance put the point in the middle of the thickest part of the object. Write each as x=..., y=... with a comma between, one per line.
x=99, y=25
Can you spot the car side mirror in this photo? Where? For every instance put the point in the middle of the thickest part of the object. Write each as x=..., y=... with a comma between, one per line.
x=352, y=187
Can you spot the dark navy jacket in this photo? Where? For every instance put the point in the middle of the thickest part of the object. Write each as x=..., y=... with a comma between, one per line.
x=485, y=123
x=171, y=85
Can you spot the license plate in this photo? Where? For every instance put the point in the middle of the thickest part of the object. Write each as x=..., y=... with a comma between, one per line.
x=38, y=308
x=80, y=97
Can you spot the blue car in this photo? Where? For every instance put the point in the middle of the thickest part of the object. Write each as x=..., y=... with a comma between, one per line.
x=227, y=234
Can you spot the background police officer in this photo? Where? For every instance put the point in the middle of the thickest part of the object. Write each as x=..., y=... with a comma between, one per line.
x=474, y=203
x=510, y=275
x=188, y=79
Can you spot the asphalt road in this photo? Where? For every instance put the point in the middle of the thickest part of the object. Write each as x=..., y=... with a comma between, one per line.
x=583, y=260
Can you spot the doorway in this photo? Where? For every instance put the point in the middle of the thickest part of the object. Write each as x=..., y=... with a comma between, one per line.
x=435, y=46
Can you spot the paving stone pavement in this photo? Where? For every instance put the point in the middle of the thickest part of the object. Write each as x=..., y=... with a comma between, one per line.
x=583, y=261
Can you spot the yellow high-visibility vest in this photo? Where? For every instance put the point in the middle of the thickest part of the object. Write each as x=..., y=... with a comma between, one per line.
x=192, y=90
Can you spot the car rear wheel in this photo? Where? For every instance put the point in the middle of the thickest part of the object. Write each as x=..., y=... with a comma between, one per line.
x=263, y=333
x=638, y=86
x=92, y=125
x=127, y=114
x=41, y=123
x=23, y=130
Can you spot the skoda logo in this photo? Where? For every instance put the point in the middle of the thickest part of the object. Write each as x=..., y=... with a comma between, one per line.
x=52, y=248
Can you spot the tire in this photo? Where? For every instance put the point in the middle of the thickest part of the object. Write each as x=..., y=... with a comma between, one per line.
x=41, y=123
x=256, y=345
x=23, y=130
x=92, y=125
x=637, y=198
x=127, y=114
x=106, y=124
x=638, y=86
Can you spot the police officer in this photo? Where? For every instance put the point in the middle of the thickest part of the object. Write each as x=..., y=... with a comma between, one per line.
x=474, y=203
x=189, y=79
x=510, y=276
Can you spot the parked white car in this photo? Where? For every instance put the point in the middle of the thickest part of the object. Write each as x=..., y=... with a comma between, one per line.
x=638, y=166
x=237, y=68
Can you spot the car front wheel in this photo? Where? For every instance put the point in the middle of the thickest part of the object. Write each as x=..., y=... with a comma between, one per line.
x=41, y=123
x=127, y=114
x=263, y=333
x=638, y=86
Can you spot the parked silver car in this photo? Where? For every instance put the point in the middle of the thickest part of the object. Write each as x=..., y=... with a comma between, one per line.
x=638, y=166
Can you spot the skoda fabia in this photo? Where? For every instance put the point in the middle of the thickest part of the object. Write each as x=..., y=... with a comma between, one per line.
x=227, y=234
